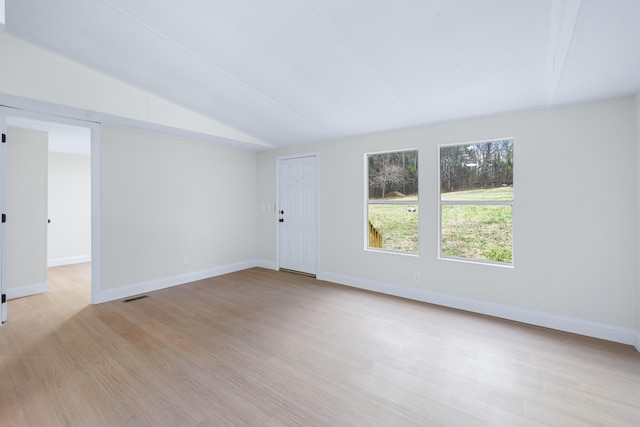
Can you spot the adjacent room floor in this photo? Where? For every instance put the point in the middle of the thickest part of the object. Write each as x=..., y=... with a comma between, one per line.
x=266, y=348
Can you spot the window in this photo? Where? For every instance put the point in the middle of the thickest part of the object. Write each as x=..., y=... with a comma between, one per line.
x=476, y=201
x=392, y=201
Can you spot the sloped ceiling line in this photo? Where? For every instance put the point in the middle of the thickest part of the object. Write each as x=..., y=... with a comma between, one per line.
x=213, y=66
x=292, y=72
x=564, y=17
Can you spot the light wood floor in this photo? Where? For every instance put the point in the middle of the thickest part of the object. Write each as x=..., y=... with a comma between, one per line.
x=265, y=348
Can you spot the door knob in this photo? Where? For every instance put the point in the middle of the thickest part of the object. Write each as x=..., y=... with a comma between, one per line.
x=281, y=220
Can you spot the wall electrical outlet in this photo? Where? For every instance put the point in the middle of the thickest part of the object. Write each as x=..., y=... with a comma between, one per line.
x=185, y=260
x=416, y=277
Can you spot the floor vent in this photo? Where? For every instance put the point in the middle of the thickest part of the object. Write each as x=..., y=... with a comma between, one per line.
x=302, y=273
x=135, y=298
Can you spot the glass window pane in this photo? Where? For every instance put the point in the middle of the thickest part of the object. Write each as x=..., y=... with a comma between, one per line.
x=477, y=232
x=393, y=176
x=393, y=227
x=483, y=194
x=480, y=171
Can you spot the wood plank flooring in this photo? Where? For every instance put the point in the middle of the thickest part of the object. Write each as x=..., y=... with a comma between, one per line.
x=265, y=348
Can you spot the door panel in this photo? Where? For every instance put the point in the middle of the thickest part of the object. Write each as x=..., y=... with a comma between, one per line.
x=26, y=226
x=297, y=214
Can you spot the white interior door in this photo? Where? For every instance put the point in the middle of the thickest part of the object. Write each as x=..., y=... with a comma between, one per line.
x=3, y=234
x=26, y=208
x=297, y=216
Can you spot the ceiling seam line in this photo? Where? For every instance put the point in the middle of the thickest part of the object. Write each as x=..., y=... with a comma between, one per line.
x=559, y=45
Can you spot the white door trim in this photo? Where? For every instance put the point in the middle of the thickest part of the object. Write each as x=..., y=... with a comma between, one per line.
x=279, y=161
x=95, y=181
x=3, y=234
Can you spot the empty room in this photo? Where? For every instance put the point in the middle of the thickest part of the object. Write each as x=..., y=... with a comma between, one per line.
x=320, y=213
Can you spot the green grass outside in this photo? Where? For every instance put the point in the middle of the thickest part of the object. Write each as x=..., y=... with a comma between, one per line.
x=477, y=232
x=468, y=231
x=491, y=194
x=398, y=226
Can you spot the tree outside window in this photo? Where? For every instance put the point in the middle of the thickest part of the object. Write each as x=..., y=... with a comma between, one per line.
x=392, y=201
x=476, y=201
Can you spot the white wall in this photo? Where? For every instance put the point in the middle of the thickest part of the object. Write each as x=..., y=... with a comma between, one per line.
x=26, y=212
x=164, y=198
x=69, y=238
x=575, y=217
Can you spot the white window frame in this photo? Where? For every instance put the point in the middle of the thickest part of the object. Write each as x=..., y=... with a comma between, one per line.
x=388, y=202
x=510, y=203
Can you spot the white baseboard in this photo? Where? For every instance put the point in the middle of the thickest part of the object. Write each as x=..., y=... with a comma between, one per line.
x=548, y=320
x=56, y=262
x=269, y=265
x=27, y=290
x=532, y=317
x=167, y=282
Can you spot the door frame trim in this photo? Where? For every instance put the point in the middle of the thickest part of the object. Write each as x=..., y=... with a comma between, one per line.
x=3, y=234
x=279, y=161
x=94, y=127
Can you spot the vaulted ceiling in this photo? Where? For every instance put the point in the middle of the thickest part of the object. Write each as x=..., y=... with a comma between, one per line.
x=300, y=71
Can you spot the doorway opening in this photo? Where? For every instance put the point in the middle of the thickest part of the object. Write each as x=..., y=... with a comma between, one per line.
x=61, y=249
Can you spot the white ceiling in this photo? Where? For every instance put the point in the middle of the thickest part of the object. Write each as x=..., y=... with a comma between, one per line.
x=300, y=71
